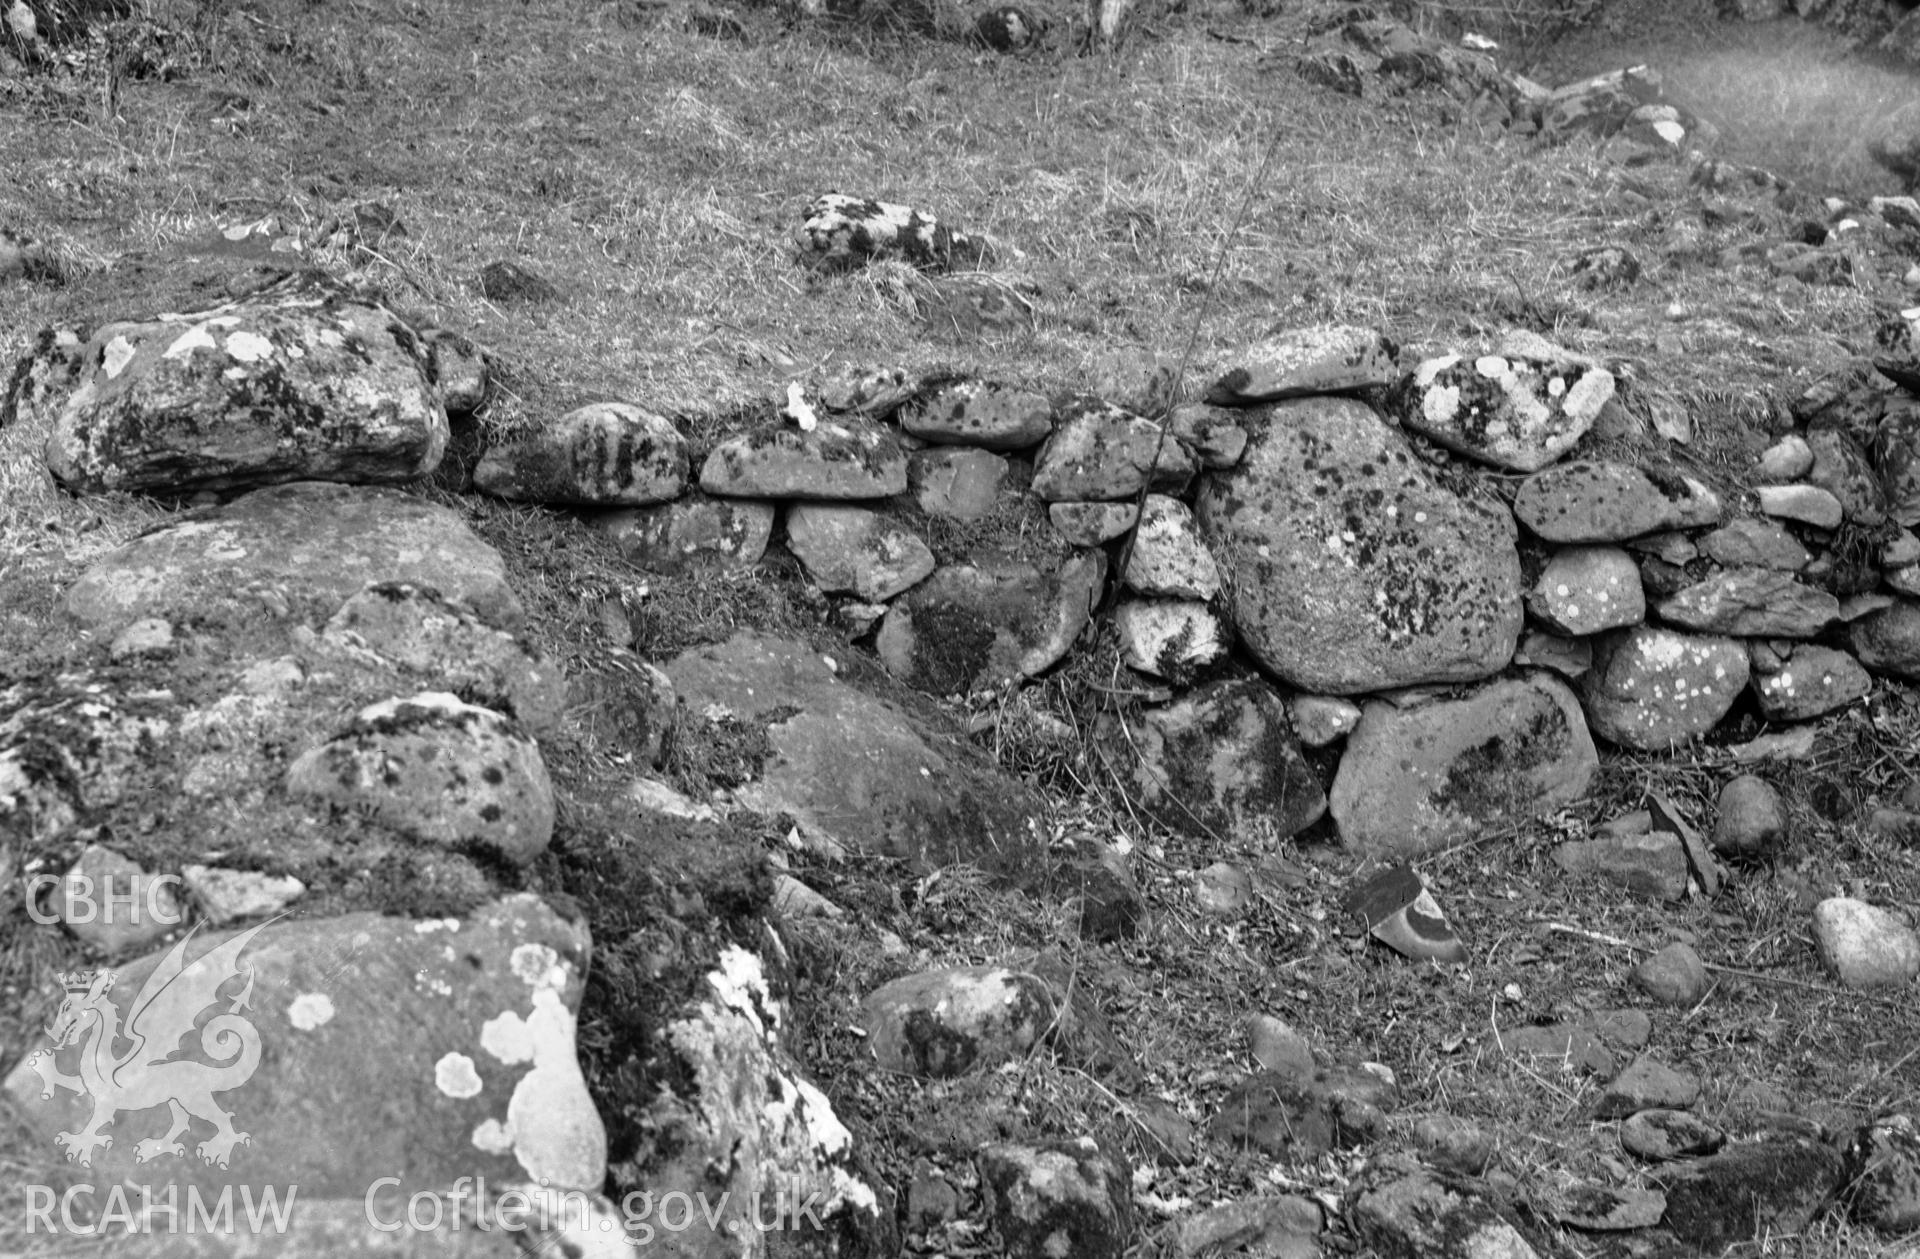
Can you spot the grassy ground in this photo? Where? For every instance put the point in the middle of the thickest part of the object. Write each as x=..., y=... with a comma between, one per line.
x=1191, y=188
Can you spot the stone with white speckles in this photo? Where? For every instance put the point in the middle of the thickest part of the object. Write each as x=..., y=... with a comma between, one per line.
x=1354, y=568
x=227, y=397
x=1521, y=408
x=1586, y=589
x=366, y=1045
x=1656, y=688
x=1168, y=558
x=1808, y=682
x=1102, y=453
x=438, y=769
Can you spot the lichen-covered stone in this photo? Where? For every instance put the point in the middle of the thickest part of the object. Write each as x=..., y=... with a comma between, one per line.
x=1657, y=688
x=609, y=454
x=1327, y=358
x=1755, y=543
x=853, y=549
x=1062, y=1198
x=842, y=232
x=1223, y=762
x=293, y=548
x=1420, y=775
x=1521, y=408
x=464, y=1025
x=1809, y=682
x=944, y=1023
x=871, y=773
x=44, y=378
x=1090, y=524
x=1597, y=501
x=1842, y=469
x=438, y=769
x=972, y=627
x=1100, y=452
x=983, y=413
x=694, y=534
x=960, y=484
x=306, y=385
x=1216, y=435
x=1169, y=638
x=431, y=639
x=1751, y=603
x=832, y=461
x=1350, y=567
x=1168, y=558
x=1882, y=1175
x=1417, y=1213
x=1888, y=640
x=1586, y=589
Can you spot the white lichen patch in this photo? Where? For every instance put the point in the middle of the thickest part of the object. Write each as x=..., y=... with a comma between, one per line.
x=249, y=347
x=115, y=357
x=557, y=1133
x=508, y=1037
x=194, y=338
x=493, y=1137
x=538, y=966
x=741, y=985
x=310, y=1010
x=426, y=925
x=455, y=1076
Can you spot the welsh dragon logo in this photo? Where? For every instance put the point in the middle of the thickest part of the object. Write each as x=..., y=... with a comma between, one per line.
x=136, y=1067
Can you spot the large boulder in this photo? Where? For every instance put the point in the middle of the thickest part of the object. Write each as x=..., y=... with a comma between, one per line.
x=325, y=1052
x=308, y=384
x=299, y=548
x=1420, y=775
x=871, y=772
x=1352, y=567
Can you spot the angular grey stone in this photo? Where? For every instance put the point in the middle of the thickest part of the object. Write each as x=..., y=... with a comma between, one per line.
x=1216, y=435
x=1168, y=558
x=957, y=484
x=1751, y=603
x=1655, y=688
x=1646, y=1084
x=1653, y=865
x=1809, y=682
x=1352, y=568
x=1327, y=358
x=939, y=1024
x=1100, y=452
x=1843, y=470
x=1864, y=945
x=1888, y=640
x=1755, y=543
x=1808, y=504
x=1661, y=1136
x=608, y=454
x=1090, y=524
x=1418, y=1214
x=1418, y=777
x=1610, y=502
x=1290, y=1114
x=1321, y=720
x=1062, y=1198
x=1788, y=459
x=1569, y=657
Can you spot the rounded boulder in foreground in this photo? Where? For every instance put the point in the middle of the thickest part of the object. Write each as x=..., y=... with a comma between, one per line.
x=1352, y=567
x=1863, y=945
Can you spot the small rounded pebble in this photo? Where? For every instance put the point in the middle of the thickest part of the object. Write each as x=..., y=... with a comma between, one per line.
x=1660, y=1136
x=1673, y=976
x=1751, y=822
x=1277, y=1046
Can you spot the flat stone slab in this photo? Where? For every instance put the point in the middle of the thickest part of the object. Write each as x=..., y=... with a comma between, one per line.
x=982, y=413
x=1751, y=603
x=1419, y=776
x=1596, y=501
x=1350, y=567
x=861, y=768
x=831, y=461
x=308, y=545
x=338, y=1049
x=1329, y=358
